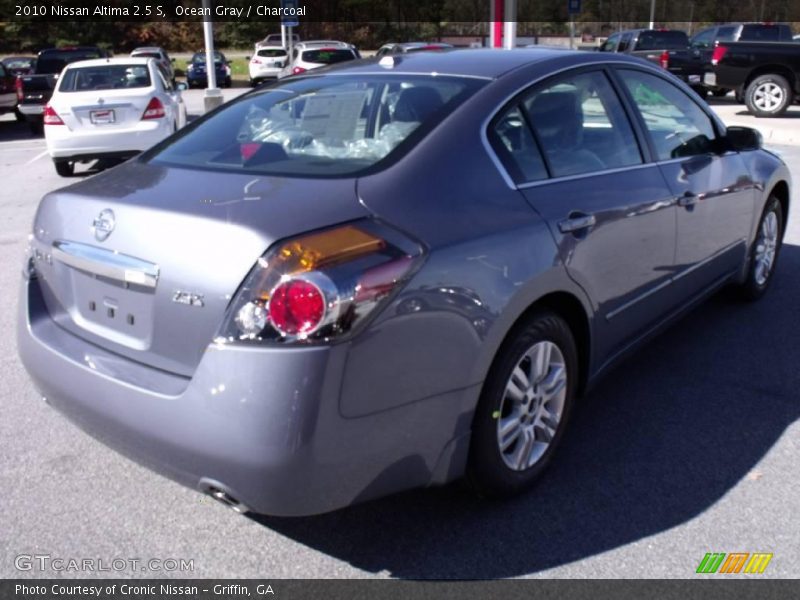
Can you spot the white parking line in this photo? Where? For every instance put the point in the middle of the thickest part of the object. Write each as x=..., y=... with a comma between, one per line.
x=35, y=158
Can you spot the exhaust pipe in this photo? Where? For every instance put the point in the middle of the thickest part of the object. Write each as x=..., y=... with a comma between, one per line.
x=221, y=494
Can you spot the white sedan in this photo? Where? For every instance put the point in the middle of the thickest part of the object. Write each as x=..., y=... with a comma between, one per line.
x=266, y=63
x=109, y=108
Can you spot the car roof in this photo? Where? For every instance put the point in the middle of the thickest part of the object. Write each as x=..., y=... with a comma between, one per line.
x=148, y=49
x=486, y=63
x=97, y=62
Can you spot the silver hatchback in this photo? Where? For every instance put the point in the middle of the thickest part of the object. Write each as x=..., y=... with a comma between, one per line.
x=390, y=274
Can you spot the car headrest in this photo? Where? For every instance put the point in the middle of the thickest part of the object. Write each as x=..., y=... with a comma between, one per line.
x=417, y=104
x=557, y=118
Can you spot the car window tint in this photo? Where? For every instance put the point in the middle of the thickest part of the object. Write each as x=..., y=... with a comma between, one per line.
x=610, y=44
x=513, y=142
x=581, y=125
x=319, y=126
x=327, y=56
x=662, y=40
x=272, y=53
x=624, y=42
x=704, y=39
x=104, y=77
x=677, y=125
x=725, y=34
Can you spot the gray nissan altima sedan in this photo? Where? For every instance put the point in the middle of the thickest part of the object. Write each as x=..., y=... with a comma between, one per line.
x=389, y=274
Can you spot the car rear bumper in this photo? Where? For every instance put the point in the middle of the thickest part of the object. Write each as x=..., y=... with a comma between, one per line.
x=31, y=110
x=261, y=424
x=65, y=143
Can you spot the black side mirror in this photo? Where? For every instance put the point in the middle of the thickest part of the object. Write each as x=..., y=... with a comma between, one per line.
x=743, y=139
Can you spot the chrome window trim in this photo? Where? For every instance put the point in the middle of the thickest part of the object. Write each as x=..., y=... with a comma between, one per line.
x=532, y=184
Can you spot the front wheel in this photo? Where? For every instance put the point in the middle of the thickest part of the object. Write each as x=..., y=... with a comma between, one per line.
x=524, y=407
x=768, y=96
x=764, y=252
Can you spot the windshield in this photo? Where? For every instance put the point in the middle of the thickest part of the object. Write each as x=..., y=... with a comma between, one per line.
x=318, y=126
x=54, y=61
x=662, y=40
x=104, y=77
x=328, y=56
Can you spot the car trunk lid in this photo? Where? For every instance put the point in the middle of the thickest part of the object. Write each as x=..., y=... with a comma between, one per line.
x=144, y=260
x=102, y=110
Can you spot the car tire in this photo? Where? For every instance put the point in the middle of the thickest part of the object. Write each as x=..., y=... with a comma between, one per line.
x=19, y=116
x=763, y=255
x=719, y=93
x=768, y=96
x=36, y=127
x=64, y=168
x=228, y=82
x=524, y=407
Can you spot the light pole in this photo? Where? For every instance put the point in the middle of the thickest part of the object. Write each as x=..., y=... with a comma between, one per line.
x=213, y=95
x=652, y=14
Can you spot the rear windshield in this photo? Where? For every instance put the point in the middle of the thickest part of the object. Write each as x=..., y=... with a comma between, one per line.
x=759, y=32
x=272, y=52
x=146, y=55
x=54, y=61
x=328, y=56
x=317, y=126
x=662, y=40
x=105, y=77
x=200, y=57
x=18, y=63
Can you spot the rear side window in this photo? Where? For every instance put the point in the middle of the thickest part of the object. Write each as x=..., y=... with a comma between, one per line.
x=581, y=125
x=105, y=77
x=662, y=40
x=761, y=33
x=318, y=126
x=272, y=53
x=327, y=56
x=625, y=42
x=677, y=125
x=513, y=142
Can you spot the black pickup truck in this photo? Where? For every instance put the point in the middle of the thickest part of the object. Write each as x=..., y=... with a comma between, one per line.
x=35, y=90
x=766, y=74
x=668, y=48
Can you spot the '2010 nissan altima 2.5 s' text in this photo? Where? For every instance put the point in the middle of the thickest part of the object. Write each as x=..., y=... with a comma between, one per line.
x=389, y=274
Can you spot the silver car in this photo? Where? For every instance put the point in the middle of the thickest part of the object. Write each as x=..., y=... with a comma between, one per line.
x=391, y=274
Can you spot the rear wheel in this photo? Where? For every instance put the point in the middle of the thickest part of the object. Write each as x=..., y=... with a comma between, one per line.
x=764, y=252
x=227, y=82
x=719, y=93
x=36, y=127
x=64, y=168
x=768, y=96
x=19, y=116
x=524, y=407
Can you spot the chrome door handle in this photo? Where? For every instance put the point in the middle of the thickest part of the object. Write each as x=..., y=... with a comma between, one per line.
x=688, y=199
x=576, y=223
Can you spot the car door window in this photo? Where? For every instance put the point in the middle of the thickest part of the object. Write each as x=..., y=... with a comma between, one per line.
x=678, y=127
x=726, y=34
x=704, y=39
x=581, y=125
x=625, y=42
x=611, y=44
x=513, y=142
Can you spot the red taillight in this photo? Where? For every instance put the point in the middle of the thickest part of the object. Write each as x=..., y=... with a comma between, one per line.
x=718, y=54
x=296, y=307
x=298, y=70
x=154, y=110
x=664, y=60
x=51, y=116
x=18, y=88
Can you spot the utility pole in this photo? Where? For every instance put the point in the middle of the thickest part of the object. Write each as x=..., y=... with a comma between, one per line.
x=213, y=95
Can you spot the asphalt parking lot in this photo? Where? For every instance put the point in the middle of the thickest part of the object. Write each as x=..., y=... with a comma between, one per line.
x=689, y=447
